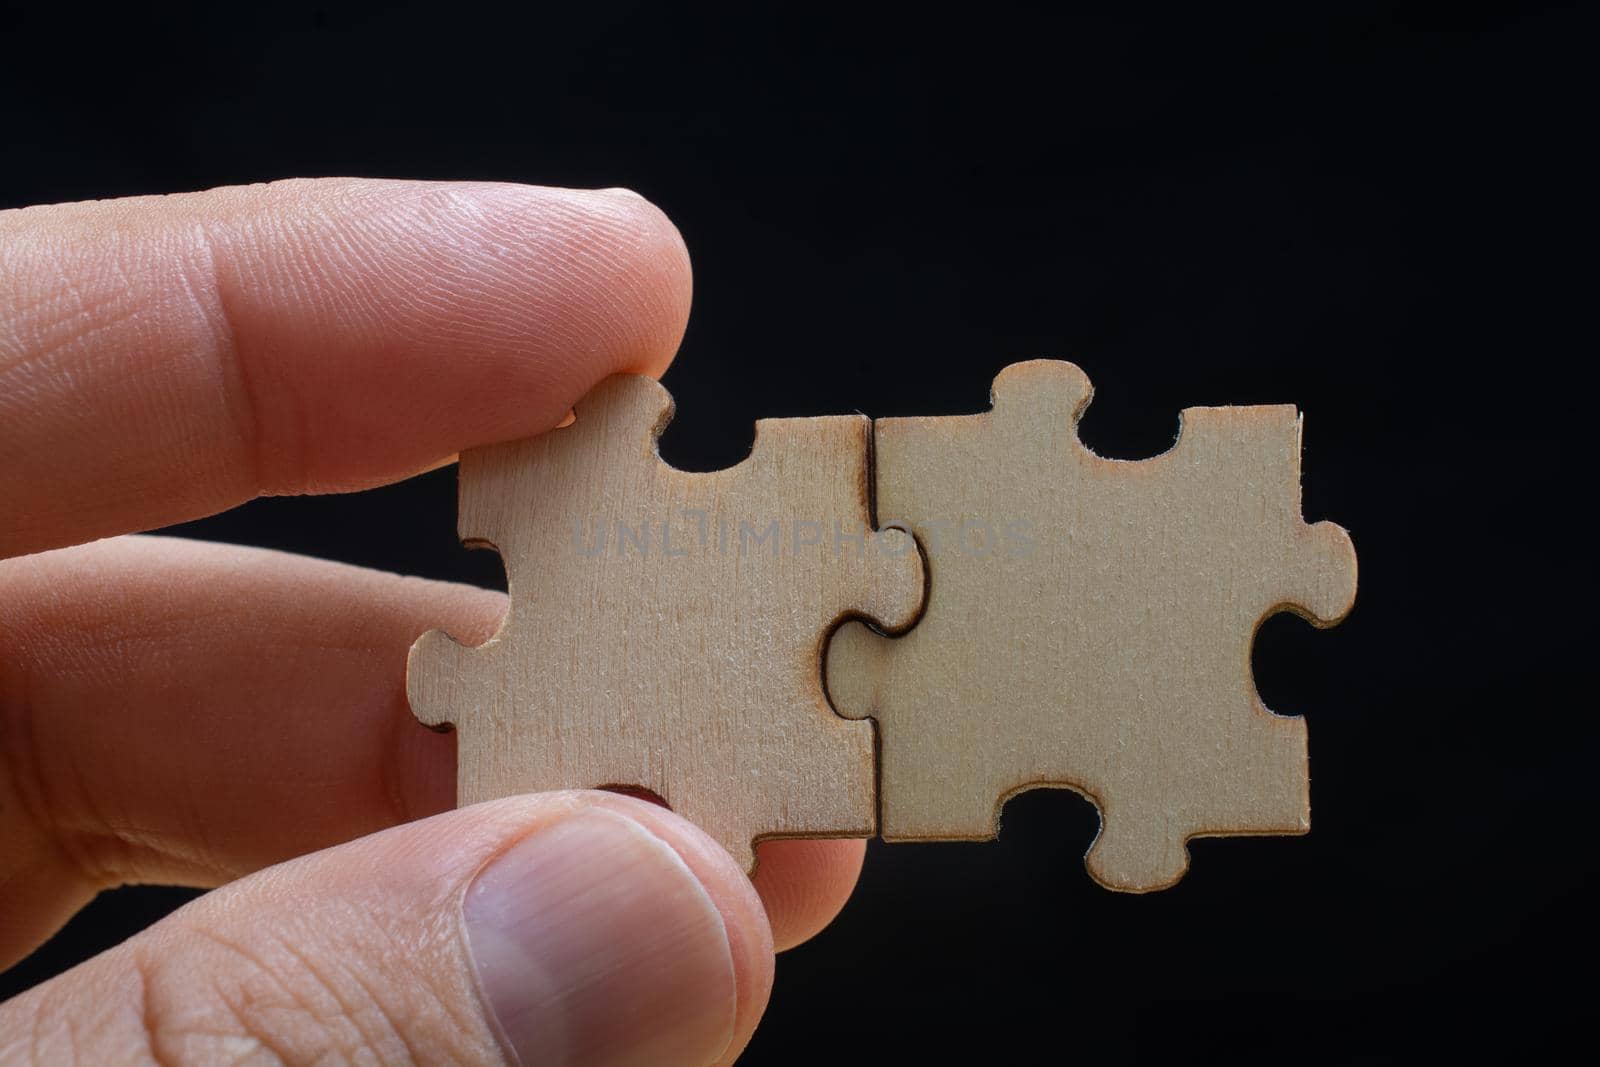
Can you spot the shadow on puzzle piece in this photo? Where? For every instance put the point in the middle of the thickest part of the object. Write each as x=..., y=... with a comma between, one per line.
x=666, y=627
x=1089, y=625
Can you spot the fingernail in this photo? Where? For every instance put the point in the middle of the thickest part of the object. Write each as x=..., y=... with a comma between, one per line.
x=594, y=943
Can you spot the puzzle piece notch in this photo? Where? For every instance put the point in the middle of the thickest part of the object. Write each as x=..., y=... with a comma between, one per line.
x=1101, y=641
x=666, y=627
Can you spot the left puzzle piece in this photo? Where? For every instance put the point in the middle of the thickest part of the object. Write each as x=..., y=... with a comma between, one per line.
x=666, y=627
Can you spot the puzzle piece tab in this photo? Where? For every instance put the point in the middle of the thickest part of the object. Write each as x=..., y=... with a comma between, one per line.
x=666, y=627
x=1089, y=625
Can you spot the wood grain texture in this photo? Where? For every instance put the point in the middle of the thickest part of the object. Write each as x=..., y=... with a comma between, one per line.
x=1089, y=625
x=666, y=628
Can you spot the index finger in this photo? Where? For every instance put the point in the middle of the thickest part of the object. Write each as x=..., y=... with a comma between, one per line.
x=163, y=358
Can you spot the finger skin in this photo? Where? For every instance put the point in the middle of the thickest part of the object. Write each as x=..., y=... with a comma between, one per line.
x=173, y=711
x=804, y=884
x=163, y=358
x=356, y=954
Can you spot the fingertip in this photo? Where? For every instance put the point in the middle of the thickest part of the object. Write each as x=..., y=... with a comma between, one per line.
x=484, y=309
x=803, y=884
x=659, y=258
x=628, y=284
x=750, y=938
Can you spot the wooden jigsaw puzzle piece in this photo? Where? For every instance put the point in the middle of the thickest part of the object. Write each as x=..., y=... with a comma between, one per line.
x=1089, y=625
x=666, y=627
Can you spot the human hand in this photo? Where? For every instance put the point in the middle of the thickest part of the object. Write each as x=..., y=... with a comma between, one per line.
x=183, y=713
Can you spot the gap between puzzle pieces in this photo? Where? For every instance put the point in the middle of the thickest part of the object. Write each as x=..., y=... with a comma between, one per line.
x=1079, y=622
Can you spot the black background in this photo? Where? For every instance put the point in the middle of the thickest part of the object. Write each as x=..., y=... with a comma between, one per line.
x=1366, y=210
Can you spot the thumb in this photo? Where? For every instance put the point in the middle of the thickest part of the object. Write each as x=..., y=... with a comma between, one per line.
x=558, y=928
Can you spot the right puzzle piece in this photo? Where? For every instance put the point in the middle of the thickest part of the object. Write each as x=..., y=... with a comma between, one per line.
x=1089, y=624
